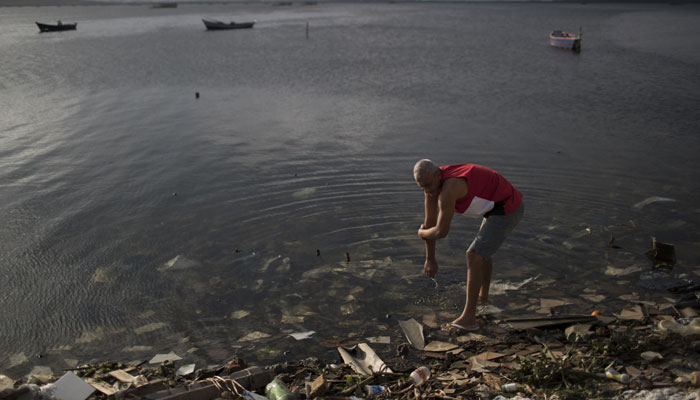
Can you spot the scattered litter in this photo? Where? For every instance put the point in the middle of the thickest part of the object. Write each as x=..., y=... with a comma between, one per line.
x=253, y=336
x=689, y=312
x=634, y=313
x=693, y=328
x=379, y=339
x=304, y=193
x=649, y=200
x=17, y=359
x=122, y=376
x=550, y=321
x=240, y=314
x=612, y=374
x=302, y=335
x=292, y=319
x=374, y=390
x=487, y=309
x=161, y=358
x=6, y=382
x=440, y=347
x=252, y=396
x=613, y=271
x=550, y=303
x=414, y=333
x=420, y=375
x=471, y=336
x=500, y=287
x=651, y=356
x=154, y=326
x=40, y=370
x=663, y=255
x=185, y=370
x=430, y=320
x=510, y=387
x=277, y=390
x=593, y=298
x=481, y=365
x=581, y=331
x=363, y=359
x=71, y=387
x=178, y=263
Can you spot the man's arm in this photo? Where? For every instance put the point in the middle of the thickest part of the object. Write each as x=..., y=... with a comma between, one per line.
x=431, y=212
x=452, y=190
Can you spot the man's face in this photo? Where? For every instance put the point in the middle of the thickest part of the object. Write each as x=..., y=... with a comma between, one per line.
x=430, y=184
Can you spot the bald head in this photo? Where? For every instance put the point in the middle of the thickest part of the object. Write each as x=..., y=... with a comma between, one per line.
x=427, y=176
x=424, y=169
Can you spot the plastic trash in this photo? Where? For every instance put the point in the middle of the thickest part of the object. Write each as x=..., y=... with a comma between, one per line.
x=693, y=328
x=277, y=390
x=509, y=387
x=612, y=374
x=373, y=390
x=420, y=375
x=252, y=396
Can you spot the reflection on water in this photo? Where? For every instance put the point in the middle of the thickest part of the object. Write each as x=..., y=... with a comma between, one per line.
x=138, y=219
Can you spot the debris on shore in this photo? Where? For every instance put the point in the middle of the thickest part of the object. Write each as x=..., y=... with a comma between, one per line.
x=580, y=357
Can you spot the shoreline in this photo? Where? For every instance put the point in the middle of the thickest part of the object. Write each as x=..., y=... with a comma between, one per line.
x=76, y=3
x=568, y=361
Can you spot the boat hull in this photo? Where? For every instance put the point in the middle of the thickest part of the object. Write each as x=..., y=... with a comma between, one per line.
x=565, y=40
x=56, y=28
x=216, y=25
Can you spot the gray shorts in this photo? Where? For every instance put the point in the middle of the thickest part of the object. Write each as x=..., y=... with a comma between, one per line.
x=494, y=231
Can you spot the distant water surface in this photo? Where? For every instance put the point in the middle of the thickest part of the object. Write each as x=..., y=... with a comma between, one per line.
x=298, y=154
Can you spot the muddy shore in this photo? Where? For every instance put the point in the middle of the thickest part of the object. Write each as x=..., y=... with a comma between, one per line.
x=656, y=353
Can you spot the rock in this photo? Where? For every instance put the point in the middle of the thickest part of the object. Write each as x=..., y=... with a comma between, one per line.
x=6, y=383
x=695, y=378
x=319, y=386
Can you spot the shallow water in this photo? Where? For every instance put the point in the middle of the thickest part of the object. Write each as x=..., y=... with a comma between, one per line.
x=110, y=168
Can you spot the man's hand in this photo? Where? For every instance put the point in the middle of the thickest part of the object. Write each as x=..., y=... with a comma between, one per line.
x=430, y=268
x=423, y=232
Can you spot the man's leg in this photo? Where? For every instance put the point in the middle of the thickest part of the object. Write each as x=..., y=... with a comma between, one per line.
x=486, y=283
x=477, y=268
x=492, y=233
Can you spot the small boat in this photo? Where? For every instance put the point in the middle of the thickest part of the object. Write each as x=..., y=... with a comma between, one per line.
x=213, y=24
x=566, y=40
x=60, y=26
x=164, y=5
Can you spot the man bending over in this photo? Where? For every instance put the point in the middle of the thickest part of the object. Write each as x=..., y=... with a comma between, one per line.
x=476, y=191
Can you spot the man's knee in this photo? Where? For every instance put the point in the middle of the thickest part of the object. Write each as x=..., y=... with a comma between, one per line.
x=475, y=258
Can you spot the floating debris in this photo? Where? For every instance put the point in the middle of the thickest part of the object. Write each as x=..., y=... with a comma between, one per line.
x=161, y=358
x=649, y=200
x=663, y=255
x=178, y=263
x=253, y=336
x=302, y=335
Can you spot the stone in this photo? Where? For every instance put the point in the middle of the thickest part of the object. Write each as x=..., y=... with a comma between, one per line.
x=319, y=386
x=6, y=383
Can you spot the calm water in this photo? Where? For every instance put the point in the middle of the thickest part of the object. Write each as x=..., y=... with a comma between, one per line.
x=110, y=168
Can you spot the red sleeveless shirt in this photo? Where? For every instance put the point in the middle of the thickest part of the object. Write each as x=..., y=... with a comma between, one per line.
x=488, y=193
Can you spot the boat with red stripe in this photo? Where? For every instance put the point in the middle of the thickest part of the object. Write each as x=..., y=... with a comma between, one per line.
x=566, y=40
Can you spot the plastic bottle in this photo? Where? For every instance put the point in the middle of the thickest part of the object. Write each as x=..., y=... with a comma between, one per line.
x=373, y=390
x=277, y=390
x=420, y=375
x=612, y=374
x=509, y=387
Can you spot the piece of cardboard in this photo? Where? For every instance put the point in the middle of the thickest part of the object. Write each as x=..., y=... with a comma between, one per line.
x=363, y=359
x=71, y=387
x=414, y=333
